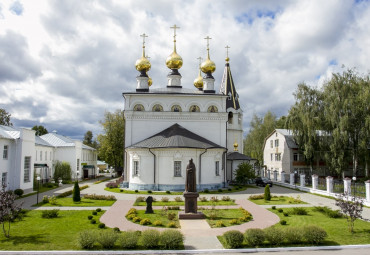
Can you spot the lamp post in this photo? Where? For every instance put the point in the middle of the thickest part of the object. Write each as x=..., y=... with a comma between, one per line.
x=77, y=172
x=295, y=179
x=38, y=188
x=354, y=183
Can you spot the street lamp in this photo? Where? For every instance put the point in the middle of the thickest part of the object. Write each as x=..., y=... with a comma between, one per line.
x=354, y=182
x=295, y=179
x=77, y=172
x=38, y=187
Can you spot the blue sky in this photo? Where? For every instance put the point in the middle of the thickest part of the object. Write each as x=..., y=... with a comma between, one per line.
x=64, y=63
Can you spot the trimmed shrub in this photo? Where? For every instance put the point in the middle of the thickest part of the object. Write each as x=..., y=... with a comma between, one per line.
x=234, y=222
x=172, y=224
x=121, y=190
x=214, y=199
x=168, y=192
x=129, y=239
x=131, y=216
x=150, y=192
x=206, y=191
x=76, y=193
x=267, y=195
x=150, y=238
x=275, y=236
x=140, y=199
x=94, y=213
x=89, y=217
x=219, y=224
x=286, y=214
x=174, y=208
x=171, y=239
x=145, y=221
x=136, y=191
x=280, y=210
x=116, y=230
x=53, y=200
x=178, y=199
x=171, y=216
x=101, y=225
x=257, y=197
x=165, y=199
x=328, y=212
x=92, y=221
x=233, y=239
x=107, y=239
x=228, y=189
x=314, y=234
x=157, y=223
x=273, y=207
x=136, y=219
x=131, y=211
x=86, y=239
x=100, y=197
x=219, y=190
x=299, y=211
x=282, y=222
x=254, y=237
x=294, y=235
x=203, y=199
x=49, y=214
x=226, y=198
x=45, y=199
x=18, y=192
x=98, y=209
x=111, y=185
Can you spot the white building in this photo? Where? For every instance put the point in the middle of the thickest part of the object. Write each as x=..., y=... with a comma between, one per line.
x=166, y=127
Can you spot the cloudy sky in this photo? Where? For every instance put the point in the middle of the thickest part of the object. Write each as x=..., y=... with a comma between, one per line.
x=64, y=63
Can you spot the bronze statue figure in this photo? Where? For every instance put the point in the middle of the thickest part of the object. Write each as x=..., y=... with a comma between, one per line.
x=190, y=184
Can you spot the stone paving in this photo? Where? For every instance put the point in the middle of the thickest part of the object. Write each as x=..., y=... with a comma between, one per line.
x=198, y=234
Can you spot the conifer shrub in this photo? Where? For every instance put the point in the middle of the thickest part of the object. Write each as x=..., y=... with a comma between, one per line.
x=233, y=239
x=18, y=192
x=299, y=211
x=150, y=238
x=76, y=193
x=273, y=207
x=129, y=239
x=267, y=195
x=101, y=225
x=168, y=192
x=98, y=209
x=171, y=239
x=107, y=239
x=254, y=236
x=93, y=221
x=314, y=234
x=86, y=239
x=94, y=213
x=282, y=222
x=89, y=217
x=275, y=236
x=280, y=210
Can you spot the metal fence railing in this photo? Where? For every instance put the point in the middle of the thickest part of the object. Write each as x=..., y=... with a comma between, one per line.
x=338, y=186
x=358, y=189
x=321, y=184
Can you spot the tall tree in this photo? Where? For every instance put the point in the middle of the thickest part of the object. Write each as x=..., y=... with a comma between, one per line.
x=9, y=210
x=260, y=129
x=5, y=118
x=40, y=130
x=88, y=139
x=112, y=142
x=304, y=120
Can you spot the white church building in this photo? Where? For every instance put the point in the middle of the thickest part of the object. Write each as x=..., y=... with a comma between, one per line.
x=166, y=127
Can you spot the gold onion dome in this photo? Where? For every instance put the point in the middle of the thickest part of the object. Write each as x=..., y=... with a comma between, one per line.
x=208, y=66
x=198, y=82
x=142, y=64
x=236, y=146
x=174, y=61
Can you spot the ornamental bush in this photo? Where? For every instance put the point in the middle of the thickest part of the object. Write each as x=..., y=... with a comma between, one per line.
x=145, y=221
x=299, y=211
x=294, y=235
x=254, y=236
x=234, y=222
x=171, y=239
x=267, y=195
x=314, y=234
x=282, y=222
x=275, y=236
x=150, y=238
x=203, y=199
x=172, y=224
x=111, y=185
x=233, y=239
x=94, y=213
x=18, y=192
x=98, y=209
x=178, y=199
x=131, y=211
x=220, y=224
x=136, y=219
x=129, y=239
x=101, y=225
x=171, y=216
x=86, y=239
x=100, y=197
x=257, y=197
x=165, y=199
x=93, y=221
x=107, y=239
x=157, y=223
x=89, y=217
x=76, y=193
x=49, y=214
x=45, y=199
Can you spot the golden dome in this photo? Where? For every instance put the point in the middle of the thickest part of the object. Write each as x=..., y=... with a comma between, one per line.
x=142, y=64
x=236, y=146
x=198, y=82
x=227, y=59
x=208, y=66
x=174, y=61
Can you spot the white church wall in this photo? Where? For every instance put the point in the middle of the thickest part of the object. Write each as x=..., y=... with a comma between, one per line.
x=27, y=148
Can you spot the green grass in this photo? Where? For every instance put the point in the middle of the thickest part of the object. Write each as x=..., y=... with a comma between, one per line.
x=281, y=200
x=68, y=201
x=174, y=203
x=158, y=215
x=36, y=233
x=224, y=215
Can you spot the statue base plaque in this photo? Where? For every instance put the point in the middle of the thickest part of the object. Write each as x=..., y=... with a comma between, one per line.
x=191, y=207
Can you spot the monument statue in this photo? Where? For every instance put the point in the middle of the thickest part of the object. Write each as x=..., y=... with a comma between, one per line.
x=190, y=184
x=149, y=208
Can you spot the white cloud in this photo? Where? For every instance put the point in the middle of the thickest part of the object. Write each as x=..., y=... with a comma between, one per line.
x=71, y=60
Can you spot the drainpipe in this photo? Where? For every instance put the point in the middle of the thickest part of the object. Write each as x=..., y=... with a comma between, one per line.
x=225, y=157
x=200, y=167
x=154, y=165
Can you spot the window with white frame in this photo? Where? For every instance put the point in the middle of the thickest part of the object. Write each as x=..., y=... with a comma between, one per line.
x=78, y=164
x=277, y=156
x=217, y=168
x=4, y=178
x=272, y=144
x=5, y=152
x=272, y=157
x=177, y=168
x=27, y=169
x=136, y=167
x=277, y=143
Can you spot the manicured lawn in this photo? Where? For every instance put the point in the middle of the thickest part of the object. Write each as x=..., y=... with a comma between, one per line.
x=217, y=216
x=160, y=215
x=174, y=203
x=36, y=233
x=68, y=201
x=281, y=200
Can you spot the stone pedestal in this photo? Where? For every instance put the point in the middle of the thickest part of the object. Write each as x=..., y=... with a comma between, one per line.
x=315, y=181
x=275, y=175
x=191, y=204
x=282, y=177
x=292, y=179
x=347, y=186
x=302, y=180
x=329, y=184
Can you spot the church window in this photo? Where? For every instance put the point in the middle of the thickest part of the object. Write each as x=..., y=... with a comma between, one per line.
x=272, y=143
x=272, y=157
x=217, y=168
x=27, y=169
x=139, y=108
x=136, y=167
x=157, y=108
x=277, y=143
x=212, y=108
x=4, y=179
x=5, y=152
x=176, y=108
x=177, y=168
x=194, y=108
x=277, y=156
x=230, y=118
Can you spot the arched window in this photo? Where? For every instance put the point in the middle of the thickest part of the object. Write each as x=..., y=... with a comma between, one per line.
x=212, y=108
x=194, y=108
x=157, y=108
x=176, y=108
x=139, y=108
x=230, y=118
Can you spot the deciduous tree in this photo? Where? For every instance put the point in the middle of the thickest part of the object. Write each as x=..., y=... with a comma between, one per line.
x=40, y=130
x=5, y=118
x=244, y=172
x=9, y=210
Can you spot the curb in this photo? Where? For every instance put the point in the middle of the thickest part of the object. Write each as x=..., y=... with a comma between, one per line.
x=221, y=251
